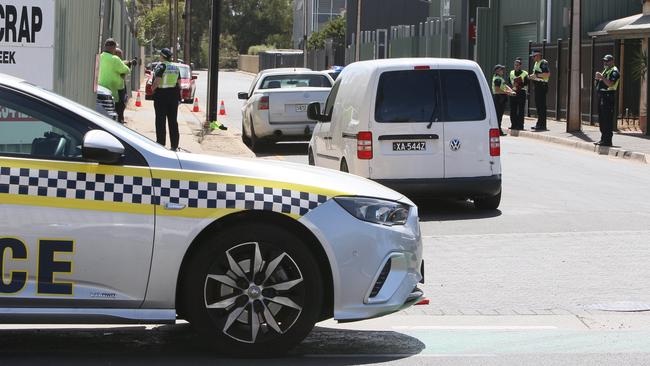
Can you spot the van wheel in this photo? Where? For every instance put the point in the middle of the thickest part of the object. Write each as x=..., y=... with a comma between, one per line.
x=488, y=203
x=253, y=290
x=344, y=166
x=310, y=158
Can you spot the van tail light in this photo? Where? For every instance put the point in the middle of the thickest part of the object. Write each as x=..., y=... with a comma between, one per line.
x=263, y=104
x=364, y=145
x=495, y=142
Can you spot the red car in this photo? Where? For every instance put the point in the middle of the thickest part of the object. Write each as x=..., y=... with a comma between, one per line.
x=187, y=83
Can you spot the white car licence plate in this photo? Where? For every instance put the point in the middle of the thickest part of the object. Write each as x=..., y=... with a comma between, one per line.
x=301, y=107
x=409, y=146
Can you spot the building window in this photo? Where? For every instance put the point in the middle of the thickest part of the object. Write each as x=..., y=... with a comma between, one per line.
x=324, y=10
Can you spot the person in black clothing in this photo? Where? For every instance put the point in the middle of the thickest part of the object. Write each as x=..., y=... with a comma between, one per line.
x=541, y=74
x=607, y=84
x=166, y=96
x=519, y=84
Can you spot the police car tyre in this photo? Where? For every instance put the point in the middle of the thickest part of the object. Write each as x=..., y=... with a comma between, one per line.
x=253, y=290
x=488, y=203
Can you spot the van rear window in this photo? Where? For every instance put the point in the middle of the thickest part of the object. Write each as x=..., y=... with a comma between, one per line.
x=407, y=96
x=462, y=98
x=415, y=95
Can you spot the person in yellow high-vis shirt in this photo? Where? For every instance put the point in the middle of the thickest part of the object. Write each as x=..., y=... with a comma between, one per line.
x=166, y=96
x=607, y=84
x=519, y=84
x=500, y=92
x=111, y=69
x=540, y=76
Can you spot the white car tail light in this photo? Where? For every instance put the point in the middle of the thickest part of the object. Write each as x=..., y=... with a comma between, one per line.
x=263, y=104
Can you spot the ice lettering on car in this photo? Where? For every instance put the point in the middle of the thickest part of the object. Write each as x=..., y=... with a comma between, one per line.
x=13, y=249
x=49, y=265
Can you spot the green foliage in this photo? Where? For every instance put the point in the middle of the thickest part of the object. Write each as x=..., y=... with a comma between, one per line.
x=640, y=62
x=253, y=22
x=334, y=29
x=153, y=27
x=228, y=53
x=256, y=49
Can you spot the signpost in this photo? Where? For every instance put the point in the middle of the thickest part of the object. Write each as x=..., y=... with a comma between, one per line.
x=27, y=40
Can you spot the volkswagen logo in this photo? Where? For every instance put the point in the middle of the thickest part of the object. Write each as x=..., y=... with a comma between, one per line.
x=454, y=144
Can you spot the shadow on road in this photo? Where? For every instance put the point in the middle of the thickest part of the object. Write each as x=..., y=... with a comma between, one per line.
x=451, y=210
x=179, y=345
x=283, y=148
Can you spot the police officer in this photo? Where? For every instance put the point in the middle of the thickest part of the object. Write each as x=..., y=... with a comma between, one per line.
x=166, y=95
x=541, y=74
x=607, y=84
x=500, y=92
x=519, y=82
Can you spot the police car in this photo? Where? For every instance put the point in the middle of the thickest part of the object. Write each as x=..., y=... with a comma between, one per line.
x=98, y=224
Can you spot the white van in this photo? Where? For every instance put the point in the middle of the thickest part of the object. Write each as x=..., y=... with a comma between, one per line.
x=425, y=127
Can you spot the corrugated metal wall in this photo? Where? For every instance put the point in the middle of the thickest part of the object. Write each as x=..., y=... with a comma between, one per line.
x=76, y=45
x=487, y=45
x=81, y=29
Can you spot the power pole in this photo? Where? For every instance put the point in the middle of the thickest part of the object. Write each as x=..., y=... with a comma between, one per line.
x=171, y=24
x=186, y=41
x=213, y=69
x=574, y=116
x=175, y=38
x=304, y=34
x=357, y=56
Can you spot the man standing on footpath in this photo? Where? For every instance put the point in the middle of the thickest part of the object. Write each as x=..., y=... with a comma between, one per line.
x=500, y=92
x=519, y=82
x=541, y=74
x=166, y=95
x=111, y=69
x=120, y=104
x=607, y=84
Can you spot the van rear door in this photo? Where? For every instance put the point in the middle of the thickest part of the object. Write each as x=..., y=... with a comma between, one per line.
x=407, y=137
x=466, y=124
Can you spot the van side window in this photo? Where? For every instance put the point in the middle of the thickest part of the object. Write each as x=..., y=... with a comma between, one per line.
x=331, y=99
x=407, y=96
x=462, y=98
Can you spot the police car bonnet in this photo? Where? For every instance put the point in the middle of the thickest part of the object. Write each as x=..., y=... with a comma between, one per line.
x=20, y=25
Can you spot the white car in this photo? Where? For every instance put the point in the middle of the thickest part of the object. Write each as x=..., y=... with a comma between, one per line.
x=424, y=127
x=276, y=105
x=98, y=224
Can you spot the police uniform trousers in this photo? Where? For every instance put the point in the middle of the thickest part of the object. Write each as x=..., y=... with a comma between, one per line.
x=500, y=101
x=606, y=103
x=517, y=110
x=541, y=89
x=165, y=102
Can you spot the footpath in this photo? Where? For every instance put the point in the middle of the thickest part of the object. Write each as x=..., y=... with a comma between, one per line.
x=628, y=144
x=190, y=125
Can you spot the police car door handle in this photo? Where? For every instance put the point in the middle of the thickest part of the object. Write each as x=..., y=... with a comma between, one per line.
x=174, y=206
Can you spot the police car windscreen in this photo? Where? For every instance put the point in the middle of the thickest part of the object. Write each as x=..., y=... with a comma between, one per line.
x=295, y=81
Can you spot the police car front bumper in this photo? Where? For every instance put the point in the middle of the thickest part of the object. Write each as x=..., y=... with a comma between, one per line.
x=375, y=268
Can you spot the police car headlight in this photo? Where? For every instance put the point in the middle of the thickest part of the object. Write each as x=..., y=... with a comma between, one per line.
x=375, y=210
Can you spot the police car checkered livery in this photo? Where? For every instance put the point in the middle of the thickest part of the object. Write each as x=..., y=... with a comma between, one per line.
x=99, y=224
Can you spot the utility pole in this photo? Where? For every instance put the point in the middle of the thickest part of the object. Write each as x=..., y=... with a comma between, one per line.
x=188, y=28
x=574, y=117
x=175, y=38
x=304, y=34
x=171, y=24
x=213, y=69
x=357, y=56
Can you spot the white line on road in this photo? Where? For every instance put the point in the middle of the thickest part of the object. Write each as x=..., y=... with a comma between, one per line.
x=475, y=327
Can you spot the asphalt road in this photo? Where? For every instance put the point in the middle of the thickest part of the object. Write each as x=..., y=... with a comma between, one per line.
x=557, y=276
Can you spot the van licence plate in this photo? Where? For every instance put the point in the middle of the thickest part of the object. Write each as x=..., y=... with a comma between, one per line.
x=409, y=146
x=301, y=107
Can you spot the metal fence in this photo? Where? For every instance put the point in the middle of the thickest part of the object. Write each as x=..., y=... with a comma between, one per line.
x=280, y=58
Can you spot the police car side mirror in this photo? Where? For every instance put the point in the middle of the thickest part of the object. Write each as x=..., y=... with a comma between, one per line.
x=313, y=113
x=102, y=147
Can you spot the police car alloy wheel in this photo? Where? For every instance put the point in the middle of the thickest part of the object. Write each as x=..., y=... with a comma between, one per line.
x=255, y=290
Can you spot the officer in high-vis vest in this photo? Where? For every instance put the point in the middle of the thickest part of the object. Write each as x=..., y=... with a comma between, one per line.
x=519, y=84
x=541, y=74
x=500, y=92
x=607, y=84
x=166, y=95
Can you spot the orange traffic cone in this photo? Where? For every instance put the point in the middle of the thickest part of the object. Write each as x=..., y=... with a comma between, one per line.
x=222, y=109
x=138, y=100
x=195, y=108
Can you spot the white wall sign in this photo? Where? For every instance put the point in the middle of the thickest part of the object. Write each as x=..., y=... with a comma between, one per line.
x=27, y=40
